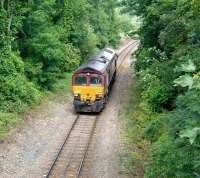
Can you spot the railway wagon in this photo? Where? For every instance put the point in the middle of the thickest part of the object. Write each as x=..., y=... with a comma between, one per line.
x=92, y=82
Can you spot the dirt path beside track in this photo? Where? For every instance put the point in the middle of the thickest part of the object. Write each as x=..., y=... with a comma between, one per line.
x=35, y=143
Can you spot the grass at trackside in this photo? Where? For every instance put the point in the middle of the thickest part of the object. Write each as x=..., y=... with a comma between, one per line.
x=7, y=120
x=135, y=147
x=63, y=85
x=61, y=88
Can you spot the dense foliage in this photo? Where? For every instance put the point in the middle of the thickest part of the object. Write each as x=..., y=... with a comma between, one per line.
x=167, y=67
x=41, y=40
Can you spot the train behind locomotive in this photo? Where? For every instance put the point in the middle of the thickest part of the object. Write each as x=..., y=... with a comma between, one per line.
x=92, y=82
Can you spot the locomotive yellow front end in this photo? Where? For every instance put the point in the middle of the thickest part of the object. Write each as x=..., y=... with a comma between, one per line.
x=88, y=91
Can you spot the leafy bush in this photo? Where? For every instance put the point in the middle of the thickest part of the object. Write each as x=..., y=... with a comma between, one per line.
x=157, y=83
x=156, y=94
x=147, y=57
x=16, y=91
x=170, y=160
x=173, y=145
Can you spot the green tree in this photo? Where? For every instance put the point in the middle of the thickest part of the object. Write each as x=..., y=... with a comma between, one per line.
x=40, y=40
x=168, y=68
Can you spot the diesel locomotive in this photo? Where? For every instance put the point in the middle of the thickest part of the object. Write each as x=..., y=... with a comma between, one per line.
x=92, y=82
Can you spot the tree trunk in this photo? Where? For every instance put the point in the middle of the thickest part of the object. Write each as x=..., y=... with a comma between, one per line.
x=10, y=22
x=2, y=4
x=10, y=16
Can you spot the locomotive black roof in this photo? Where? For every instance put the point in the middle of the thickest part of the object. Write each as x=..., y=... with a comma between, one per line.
x=99, y=62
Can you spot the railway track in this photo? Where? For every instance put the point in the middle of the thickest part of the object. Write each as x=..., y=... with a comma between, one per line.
x=71, y=156
x=126, y=51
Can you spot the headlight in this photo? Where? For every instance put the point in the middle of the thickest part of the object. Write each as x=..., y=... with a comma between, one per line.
x=77, y=96
x=99, y=96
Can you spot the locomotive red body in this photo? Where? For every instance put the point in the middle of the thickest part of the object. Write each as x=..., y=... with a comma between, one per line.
x=92, y=82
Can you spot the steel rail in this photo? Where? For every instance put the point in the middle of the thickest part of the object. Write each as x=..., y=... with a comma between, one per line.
x=78, y=173
x=62, y=146
x=135, y=43
x=127, y=46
